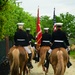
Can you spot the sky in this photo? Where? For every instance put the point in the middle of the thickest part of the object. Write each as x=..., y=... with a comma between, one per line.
x=46, y=7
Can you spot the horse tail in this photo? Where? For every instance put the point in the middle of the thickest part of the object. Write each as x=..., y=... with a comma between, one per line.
x=60, y=64
x=15, y=63
x=42, y=59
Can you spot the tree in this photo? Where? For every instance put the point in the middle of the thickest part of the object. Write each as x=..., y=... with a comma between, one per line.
x=46, y=22
x=68, y=24
x=2, y=3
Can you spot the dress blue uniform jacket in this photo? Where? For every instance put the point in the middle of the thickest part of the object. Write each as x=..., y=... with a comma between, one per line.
x=30, y=37
x=46, y=39
x=20, y=38
x=59, y=39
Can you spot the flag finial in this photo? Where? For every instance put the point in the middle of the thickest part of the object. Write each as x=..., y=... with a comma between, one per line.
x=54, y=20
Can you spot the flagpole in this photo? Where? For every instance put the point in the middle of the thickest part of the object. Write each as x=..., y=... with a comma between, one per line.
x=54, y=20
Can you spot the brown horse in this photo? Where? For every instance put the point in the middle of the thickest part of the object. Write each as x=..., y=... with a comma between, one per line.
x=42, y=52
x=17, y=60
x=58, y=60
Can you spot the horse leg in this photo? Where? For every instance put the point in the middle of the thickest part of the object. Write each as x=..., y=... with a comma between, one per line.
x=27, y=71
x=45, y=70
x=21, y=68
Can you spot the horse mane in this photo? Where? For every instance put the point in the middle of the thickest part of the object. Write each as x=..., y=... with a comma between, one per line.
x=15, y=63
x=60, y=63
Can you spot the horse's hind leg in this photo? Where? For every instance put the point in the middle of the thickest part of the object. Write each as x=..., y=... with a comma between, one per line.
x=24, y=70
x=21, y=69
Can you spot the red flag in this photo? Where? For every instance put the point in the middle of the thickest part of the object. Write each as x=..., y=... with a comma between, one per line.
x=54, y=21
x=38, y=29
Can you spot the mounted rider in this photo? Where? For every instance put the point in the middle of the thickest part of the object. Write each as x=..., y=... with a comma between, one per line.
x=21, y=39
x=30, y=36
x=46, y=41
x=59, y=39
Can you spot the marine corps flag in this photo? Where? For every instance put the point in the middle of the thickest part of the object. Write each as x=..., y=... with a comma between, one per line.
x=54, y=21
x=38, y=29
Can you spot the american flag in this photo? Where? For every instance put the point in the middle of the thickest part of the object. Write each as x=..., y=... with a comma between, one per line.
x=54, y=21
x=38, y=29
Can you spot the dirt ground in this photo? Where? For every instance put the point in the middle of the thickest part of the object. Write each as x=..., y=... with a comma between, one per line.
x=38, y=70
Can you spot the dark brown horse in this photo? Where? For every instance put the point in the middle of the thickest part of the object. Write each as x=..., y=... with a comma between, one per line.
x=18, y=60
x=58, y=60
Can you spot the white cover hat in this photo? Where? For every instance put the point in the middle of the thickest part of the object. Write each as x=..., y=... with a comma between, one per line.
x=46, y=28
x=58, y=24
x=20, y=24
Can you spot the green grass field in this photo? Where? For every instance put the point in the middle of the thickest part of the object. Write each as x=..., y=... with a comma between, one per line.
x=72, y=54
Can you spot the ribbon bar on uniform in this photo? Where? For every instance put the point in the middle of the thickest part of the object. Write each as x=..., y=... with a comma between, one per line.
x=58, y=41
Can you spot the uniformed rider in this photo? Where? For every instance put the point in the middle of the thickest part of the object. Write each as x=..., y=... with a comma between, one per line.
x=59, y=39
x=30, y=36
x=46, y=41
x=21, y=39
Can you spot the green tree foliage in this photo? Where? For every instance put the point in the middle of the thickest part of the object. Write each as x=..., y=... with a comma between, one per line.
x=2, y=3
x=11, y=14
x=68, y=24
x=46, y=22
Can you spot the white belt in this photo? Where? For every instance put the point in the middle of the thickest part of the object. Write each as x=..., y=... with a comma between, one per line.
x=20, y=39
x=58, y=41
x=45, y=41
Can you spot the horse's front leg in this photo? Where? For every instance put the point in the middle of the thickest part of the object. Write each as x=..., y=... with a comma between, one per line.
x=45, y=69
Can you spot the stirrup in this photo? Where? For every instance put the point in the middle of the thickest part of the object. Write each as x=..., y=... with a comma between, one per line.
x=30, y=65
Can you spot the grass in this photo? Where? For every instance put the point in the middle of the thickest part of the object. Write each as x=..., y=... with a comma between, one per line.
x=72, y=54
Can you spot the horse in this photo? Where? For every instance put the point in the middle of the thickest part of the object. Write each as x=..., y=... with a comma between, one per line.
x=59, y=60
x=17, y=59
x=42, y=54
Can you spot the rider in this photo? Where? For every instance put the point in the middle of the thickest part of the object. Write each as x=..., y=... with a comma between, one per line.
x=21, y=39
x=59, y=39
x=30, y=36
x=46, y=41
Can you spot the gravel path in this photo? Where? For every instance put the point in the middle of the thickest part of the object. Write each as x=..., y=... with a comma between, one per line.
x=38, y=70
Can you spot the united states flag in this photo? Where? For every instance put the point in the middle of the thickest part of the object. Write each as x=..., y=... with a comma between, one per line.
x=54, y=21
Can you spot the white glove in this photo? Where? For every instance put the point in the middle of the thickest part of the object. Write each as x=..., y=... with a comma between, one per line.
x=68, y=48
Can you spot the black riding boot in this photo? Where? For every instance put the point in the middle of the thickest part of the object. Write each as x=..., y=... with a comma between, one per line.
x=69, y=63
x=47, y=60
x=29, y=64
x=36, y=58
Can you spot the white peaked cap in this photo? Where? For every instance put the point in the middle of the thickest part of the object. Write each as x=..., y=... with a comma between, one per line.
x=46, y=28
x=20, y=24
x=27, y=28
x=58, y=24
